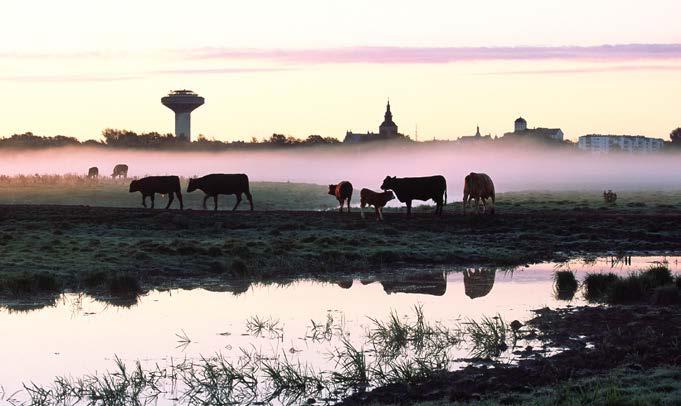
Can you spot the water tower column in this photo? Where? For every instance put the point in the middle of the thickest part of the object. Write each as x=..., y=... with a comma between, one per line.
x=183, y=126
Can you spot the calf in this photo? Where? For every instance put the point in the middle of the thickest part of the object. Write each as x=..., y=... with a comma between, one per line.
x=151, y=185
x=120, y=171
x=343, y=192
x=222, y=184
x=378, y=200
x=93, y=172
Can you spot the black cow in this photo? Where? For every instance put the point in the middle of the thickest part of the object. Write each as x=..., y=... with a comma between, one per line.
x=222, y=184
x=151, y=185
x=424, y=188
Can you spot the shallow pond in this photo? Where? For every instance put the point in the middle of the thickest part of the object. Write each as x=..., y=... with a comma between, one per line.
x=80, y=335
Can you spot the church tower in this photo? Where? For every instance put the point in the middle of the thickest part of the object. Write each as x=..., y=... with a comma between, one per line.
x=388, y=129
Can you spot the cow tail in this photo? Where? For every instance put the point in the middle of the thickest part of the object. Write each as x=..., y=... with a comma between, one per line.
x=445, y=202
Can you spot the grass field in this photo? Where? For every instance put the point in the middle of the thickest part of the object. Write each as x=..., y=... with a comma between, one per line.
x=78, y=190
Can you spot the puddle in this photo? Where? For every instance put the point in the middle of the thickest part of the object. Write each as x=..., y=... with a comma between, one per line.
x=80, y=335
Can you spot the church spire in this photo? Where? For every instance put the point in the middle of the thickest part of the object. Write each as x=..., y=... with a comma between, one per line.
x=388, y=114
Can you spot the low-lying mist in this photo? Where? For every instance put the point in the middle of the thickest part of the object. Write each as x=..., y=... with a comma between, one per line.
x=513, y=168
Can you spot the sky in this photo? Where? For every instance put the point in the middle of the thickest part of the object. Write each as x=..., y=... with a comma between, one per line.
x=321, y=67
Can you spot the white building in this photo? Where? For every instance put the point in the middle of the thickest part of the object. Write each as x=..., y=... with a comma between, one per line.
x=520, y=130
x=620, y=143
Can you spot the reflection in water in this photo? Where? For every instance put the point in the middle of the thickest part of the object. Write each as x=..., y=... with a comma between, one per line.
x=426, y=283
x=478, y=282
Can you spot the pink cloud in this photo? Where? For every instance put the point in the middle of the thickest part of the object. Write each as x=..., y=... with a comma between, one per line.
x=434, y=55
x=590, y=69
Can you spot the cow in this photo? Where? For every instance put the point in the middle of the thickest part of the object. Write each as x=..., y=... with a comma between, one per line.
x=222, y=184
x=93, y=172
x=343, y=192
x=120, y=170
x=423, y=188
x=378, y=200
x=151, y=185
x=478, y=186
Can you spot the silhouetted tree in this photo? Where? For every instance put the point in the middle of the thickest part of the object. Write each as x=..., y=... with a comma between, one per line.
x=675, y=136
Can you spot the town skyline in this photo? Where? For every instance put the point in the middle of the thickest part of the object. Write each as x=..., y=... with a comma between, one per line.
x=303, y=68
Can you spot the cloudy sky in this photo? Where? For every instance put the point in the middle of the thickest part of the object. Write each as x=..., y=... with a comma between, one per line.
x=322, y=67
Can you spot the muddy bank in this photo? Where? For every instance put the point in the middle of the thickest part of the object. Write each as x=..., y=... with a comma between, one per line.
x=598, y=340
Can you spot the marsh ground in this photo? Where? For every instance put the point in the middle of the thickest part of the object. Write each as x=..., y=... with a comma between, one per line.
x=75, y=246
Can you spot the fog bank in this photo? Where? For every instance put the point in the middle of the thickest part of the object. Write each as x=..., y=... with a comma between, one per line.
x=513, y=168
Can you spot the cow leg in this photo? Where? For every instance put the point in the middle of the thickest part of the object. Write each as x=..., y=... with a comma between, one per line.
x=144, y=201
x=238, y=201
x=493, y=209
x=380, y=213
x=179, y=197
x=349, y=199
x=153, y=196
x=250, y=199
x=361, y=209
x=438, y=207
x=341, y=201
x=215, y=200
x=408, y=208
x=205, y=198
x=171, y=197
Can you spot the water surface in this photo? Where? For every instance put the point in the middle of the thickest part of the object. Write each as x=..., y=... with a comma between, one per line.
x=81, y=335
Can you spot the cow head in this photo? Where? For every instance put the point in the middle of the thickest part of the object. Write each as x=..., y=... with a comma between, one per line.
x=388, y=183
x=332, y=189
x=389, y=195
x=134, y=186
x=192, y=186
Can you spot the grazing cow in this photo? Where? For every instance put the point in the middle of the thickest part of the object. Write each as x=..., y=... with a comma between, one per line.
x=378, y=200
x=222, y=184
x=343, y=192
x=93, y=172
x=424, y=188
x=151, y=185
x=478, y=186
x=120, y=171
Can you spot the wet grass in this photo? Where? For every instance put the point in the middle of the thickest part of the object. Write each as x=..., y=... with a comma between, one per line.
x=596, y=285
x=653, y=284
x=565, y=285
x=658, y=386
x=255, y=377
x=490, y=336
x=258, y=327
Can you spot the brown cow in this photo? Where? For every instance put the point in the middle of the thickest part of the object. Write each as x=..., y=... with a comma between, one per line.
x=93, y=172
x=120, y=171
x=343, y=192
x=478, y=186
x=378, y=200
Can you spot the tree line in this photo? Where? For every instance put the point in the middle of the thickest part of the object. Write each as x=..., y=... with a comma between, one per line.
x=114, y=138
x=129, y=139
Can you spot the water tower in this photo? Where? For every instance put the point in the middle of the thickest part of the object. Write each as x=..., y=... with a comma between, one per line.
x=182, y=102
